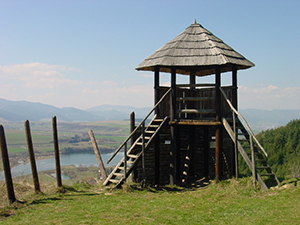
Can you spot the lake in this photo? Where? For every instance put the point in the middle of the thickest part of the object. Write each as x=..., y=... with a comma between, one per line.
x=77, y=160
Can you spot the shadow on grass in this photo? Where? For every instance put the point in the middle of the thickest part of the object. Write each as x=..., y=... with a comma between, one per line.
x=191, y=185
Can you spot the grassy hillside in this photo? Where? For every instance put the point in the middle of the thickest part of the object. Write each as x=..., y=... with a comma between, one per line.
x=283, y=146
x=229, y=202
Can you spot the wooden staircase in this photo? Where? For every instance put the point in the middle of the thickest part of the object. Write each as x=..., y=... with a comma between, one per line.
x=253, y=154
x=250, y=149
x=133, y=155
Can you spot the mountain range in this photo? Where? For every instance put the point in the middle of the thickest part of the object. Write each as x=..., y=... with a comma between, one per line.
x=258, y=119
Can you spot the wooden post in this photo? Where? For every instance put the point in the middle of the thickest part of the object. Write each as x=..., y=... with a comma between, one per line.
x=192, y=79
x=235, y=105
x=132, y=140
x=234, y=87
x=132, y=127
x=98, y=156
x=253, y=161
x=6, y=167
x=173, y=153
x=32, y=158
x=56, y=152
x=143, y=152
x=235, y=147
x=173, y=95
x=218, y=128
x=156, y=89
x=125, y=160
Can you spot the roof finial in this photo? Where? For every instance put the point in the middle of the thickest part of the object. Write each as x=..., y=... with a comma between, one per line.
x=195, y=22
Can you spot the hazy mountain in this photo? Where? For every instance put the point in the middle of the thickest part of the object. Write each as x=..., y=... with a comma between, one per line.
x=119, y=112
x=258, y=119
x=22, y=110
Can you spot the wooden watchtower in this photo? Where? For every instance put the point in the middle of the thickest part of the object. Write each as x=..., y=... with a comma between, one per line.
x=196, y=130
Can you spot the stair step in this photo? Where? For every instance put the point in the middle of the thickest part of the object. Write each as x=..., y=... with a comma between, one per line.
x=115, y=181
x=132, y=156
x=153, y=126
x=149, y=131
x=118, y=174
x=158, y=120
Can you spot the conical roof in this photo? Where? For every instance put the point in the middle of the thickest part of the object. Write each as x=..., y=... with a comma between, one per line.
x=195, y=49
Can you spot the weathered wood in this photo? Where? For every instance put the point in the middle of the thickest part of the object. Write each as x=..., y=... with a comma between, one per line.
x=98, y=155
x=196, y=123
x=34, y=172
x=6, y=167
x=56, y=152
x=234, y=87
x=235, y=147
x=253, y=162
x=132, y=127
x=218, y=130
x=192, y=79
x=173, y=95
x=156, y=89
x=192, y=49
x=143, y=151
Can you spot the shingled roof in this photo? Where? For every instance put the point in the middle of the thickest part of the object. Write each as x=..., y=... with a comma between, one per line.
x=195, y=49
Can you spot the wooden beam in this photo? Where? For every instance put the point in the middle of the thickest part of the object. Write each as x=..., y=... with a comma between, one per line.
x=192, y=79
x=173, y=95
x=218, y=130
x=156, y=89
x=234, y=87
x=196, y=123
x=173, y=152
x=98, y=156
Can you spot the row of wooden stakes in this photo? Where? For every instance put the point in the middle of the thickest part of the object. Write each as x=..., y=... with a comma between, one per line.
x=37, y=189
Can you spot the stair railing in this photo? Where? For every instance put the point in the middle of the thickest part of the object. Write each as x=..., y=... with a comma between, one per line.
x=252, y=137
x=250, y=132
x=140, y=125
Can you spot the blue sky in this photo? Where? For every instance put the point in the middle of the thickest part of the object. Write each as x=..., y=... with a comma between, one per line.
x=84, y=53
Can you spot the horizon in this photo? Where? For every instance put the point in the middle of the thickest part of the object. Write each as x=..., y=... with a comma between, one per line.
x=83, y=54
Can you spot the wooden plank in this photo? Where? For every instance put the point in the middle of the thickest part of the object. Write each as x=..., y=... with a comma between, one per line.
x=194, y=98
x=196, y=111
x=98, y=156
x=196, y=123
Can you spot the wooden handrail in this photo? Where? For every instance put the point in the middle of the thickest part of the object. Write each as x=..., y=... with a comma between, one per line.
x=141, y=123
x=244, y=121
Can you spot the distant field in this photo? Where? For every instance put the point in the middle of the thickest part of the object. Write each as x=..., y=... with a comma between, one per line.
x=109, y=134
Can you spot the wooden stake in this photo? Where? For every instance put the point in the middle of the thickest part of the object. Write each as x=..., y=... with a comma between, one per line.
x=56, y=152
x=98, y=156
x=32, y=158
x=6, y=167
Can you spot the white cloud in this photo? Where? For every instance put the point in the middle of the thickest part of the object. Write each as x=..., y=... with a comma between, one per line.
x=40, y=82
x=269, y=97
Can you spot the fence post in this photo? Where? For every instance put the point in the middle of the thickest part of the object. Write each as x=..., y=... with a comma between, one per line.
x=56, y=152
x=98, y=156
x=32, y=158
x=6, y=167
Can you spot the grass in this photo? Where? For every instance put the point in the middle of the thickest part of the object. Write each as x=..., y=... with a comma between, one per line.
x=229, y=202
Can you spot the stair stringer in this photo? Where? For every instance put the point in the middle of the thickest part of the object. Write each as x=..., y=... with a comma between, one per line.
x=244, y=154
x=137, y=157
